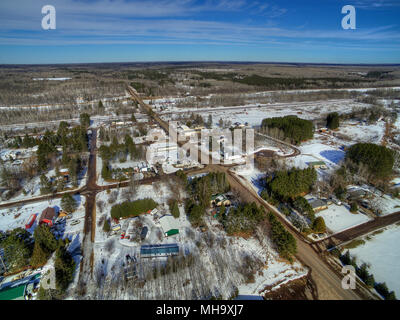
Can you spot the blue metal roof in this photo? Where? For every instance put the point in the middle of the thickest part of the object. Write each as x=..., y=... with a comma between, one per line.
x=159, y=249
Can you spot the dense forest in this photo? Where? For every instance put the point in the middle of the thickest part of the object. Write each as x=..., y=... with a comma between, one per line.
x=378, y=159
x=121, y=150
x=288, y=185
x=290, y=128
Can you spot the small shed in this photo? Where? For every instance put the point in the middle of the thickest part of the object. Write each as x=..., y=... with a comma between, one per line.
x=318, y=205
x=48, y=216
x=172, y=232
x=318, y=165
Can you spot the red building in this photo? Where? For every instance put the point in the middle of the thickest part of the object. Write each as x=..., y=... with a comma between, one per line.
x=48, y=216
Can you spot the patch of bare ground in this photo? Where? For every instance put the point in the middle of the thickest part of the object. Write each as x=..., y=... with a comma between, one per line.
x=299, y=289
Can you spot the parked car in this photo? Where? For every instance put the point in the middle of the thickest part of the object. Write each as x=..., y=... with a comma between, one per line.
x=143, y=233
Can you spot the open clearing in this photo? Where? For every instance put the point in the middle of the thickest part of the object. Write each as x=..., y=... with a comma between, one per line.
x=383, y=255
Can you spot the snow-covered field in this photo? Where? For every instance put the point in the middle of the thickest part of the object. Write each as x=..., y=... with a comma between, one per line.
x=339, y=218
x=372, y=133
x=253, y=114
x=383, y=255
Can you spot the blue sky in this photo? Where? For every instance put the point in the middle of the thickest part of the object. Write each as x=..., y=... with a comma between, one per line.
x=194, y=30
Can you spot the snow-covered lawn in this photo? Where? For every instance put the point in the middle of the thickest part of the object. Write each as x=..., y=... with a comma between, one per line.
x=322, y=148
x=383, y=255
x=387, y=204
x=339, y=218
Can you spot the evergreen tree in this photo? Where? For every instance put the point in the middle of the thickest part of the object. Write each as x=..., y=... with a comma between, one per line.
x=353, y=207
x=332, y=121
x=64, y=266
x=45, y=185
x=84, y=119
x=106, y=226
x=45, y=244
x=292, y=128
x=319, y=225
x=175, y=209
x=68, y=203
x=17, y=249
x=209, y=121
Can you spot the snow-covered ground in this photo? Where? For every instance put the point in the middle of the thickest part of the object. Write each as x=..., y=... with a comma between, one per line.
x=321, y=148
x=381, y=252
x=17, y=216
x=252, y=175
x=372, y=133
x=253, y=114
x=217, y=268
x=32, y=186
x=339, y=218
x=387, y=204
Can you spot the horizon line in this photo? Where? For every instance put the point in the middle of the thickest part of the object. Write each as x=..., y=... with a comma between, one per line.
x=200, y=61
